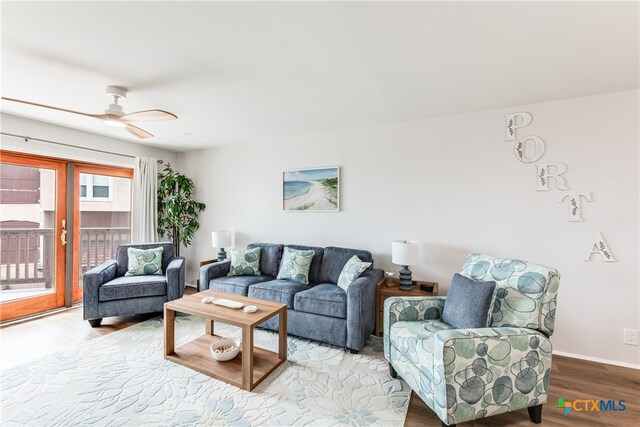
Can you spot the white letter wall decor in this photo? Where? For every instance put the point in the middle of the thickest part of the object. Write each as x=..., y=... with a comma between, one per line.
x=599, y=247
x=520, y=151
x=512, y=123
x=531, y=148
x=575, y=204
x=548, y=171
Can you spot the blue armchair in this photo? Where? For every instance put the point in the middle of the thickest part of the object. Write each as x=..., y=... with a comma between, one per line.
x=465, y=374
x=108, y=292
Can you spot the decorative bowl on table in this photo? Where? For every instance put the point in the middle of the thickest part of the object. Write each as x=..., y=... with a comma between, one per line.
x=224, y=349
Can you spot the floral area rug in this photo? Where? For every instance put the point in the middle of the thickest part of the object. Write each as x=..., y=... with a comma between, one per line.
x=122, y=379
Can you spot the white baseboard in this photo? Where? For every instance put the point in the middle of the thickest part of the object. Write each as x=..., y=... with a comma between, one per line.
x=597, y=359
x=191, y=285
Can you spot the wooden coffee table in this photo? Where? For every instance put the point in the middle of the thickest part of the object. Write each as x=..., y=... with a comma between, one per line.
x=246, y=371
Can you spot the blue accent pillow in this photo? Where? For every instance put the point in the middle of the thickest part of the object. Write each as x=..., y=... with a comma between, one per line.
x=468, y=302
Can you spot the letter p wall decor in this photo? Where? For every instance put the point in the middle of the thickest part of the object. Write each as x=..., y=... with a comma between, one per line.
x=515, y=121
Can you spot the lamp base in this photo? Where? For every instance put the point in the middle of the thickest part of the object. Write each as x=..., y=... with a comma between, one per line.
x=222, y=254
x=406, y=284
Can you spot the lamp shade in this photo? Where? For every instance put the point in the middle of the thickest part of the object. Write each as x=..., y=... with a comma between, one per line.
x=220, y=239
x=404, y=252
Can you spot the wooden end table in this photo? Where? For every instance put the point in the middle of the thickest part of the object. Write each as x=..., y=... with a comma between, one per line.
x=208, y=261
x=255, y=363
x=383, y=292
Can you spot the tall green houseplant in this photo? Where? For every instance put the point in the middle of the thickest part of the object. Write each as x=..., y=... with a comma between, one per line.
x=177, y=211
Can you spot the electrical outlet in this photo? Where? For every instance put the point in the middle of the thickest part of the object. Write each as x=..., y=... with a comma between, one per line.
x=631, y=336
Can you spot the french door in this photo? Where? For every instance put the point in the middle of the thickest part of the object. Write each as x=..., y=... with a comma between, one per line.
x=42, y=231
x=33, y=222
x=102, y=217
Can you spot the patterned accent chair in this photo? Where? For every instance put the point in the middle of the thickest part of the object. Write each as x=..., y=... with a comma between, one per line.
x=465, y=374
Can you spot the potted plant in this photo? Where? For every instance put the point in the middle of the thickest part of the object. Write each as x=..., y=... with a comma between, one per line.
x=177, y=210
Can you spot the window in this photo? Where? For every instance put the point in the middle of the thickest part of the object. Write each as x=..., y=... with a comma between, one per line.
x=96, y=187
x=19, y=184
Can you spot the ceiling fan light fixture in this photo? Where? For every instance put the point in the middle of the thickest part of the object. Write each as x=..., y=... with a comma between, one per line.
x=114, y=123
x=114, y=115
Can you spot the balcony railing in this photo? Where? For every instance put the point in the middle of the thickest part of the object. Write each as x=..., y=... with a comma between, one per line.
x=27, y=257
x=98, y=245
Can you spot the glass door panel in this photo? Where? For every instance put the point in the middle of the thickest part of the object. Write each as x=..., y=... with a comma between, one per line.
x=32, y=220
x=103, y=217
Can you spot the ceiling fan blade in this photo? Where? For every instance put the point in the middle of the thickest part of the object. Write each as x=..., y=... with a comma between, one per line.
x=136, y=131
x=148, y=116
x=35, y=104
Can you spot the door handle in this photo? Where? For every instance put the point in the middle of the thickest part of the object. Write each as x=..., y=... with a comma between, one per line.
x=63, y=234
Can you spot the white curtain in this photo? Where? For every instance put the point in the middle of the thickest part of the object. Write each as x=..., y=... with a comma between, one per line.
x=145, y=200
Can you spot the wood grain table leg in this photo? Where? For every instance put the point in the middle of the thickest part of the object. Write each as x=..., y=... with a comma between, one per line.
x=169, y=331
x=208, y=326
x=282, y=334
x=247, y=357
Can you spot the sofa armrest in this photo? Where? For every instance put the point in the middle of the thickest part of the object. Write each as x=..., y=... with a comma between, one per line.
x=361, y=308
x=91, y=282
x=175, y=278
x=409, y=309
x=211, y=271
x=485, y=369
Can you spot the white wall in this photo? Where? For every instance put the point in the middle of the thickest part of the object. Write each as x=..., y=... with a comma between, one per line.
x=36, y=129
x=454, y=185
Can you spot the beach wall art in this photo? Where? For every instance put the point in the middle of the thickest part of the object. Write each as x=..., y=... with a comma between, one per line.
x=311, y=190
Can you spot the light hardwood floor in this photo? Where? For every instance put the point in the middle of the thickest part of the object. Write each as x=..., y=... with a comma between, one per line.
x=571, y=379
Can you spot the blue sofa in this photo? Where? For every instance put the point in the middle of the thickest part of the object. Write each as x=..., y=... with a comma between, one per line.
x=321, y=310
x=108, y=292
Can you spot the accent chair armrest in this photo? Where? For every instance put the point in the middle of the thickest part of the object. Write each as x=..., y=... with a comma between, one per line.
x=211, y=271
x=486, y=369
x=361, y=308
x=175, y=278
x=409, y=309
x=91, y=282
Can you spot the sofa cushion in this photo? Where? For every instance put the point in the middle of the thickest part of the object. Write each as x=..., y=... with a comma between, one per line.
x=281, y=291
x=468, y=302
x=326, y=299
x=316, y=262
x=295, y=265
x=269, y=257
x=414, y=340
x=133, y=287
x=143, y=262
x=238, y=285
x=334, y=259
x=245, y=262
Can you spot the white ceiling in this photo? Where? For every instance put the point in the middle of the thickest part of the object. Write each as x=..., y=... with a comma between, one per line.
x=251, y=72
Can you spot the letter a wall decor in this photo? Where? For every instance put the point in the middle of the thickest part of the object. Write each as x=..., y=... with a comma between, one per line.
x=599, y=247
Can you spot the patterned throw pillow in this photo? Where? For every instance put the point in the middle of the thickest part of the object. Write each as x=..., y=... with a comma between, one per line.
x=245, y=262
x=351, y=271
x=143, y=262
x=295, y=265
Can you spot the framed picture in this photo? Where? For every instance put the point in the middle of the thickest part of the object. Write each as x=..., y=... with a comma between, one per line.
x=311, y=190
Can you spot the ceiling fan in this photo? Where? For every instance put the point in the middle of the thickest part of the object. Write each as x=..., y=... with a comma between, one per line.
x=114, y=115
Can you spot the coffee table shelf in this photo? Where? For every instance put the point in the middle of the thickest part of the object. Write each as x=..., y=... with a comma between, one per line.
x=252, y=365
x=195, y=355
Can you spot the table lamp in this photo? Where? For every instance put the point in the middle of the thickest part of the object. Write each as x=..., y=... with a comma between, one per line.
x=404, y=253
x=221, y=239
